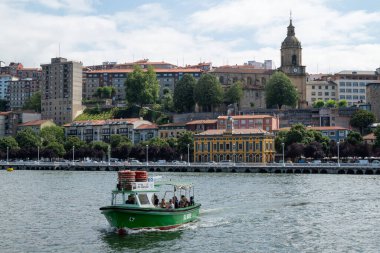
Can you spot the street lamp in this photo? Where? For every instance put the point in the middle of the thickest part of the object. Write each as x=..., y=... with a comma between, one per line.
x=38, y=154
x=233, y=156
x=7, y=154
x=283, y=154
x=338, y=153
x=147, y=162
x=109, y=154
x=73, y=154
x=188, y=154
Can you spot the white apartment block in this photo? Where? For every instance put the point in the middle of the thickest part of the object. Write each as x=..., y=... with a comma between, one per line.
x=352, y=85
x=135, y=129
x=321, y=90
x=61, y=90
x=4, y=83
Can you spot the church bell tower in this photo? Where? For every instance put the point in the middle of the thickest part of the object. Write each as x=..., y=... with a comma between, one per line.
x=291, y=64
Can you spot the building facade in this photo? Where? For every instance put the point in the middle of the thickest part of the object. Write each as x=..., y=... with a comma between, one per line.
x=238, y=145
x=352, y=85
x=265, y=122
x=61, y=90
x=321, y=90
x=171, y=130
x=101, y=130
x=35, y=125
x=373, y=95
x=291, y=64
x=252, y=79
x=201, y=125
x=5, y=80
x=20, y=91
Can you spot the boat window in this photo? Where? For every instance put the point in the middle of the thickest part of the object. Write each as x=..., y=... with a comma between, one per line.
x=144, y=200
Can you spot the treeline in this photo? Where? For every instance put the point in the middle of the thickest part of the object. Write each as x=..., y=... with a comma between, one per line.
x=51, y=144
x=300, y=142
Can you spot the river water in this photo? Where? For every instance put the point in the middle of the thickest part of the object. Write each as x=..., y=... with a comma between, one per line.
x=58, y=211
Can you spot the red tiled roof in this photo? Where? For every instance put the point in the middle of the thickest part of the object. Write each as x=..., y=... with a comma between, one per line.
x=370, y=136
x=173, y=124
x=35, y=122
x=256, y=116
x=205, y=121
x=147, y=126
x=235, y=131
x=174, y=70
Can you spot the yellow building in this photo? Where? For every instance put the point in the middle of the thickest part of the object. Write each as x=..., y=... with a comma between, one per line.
x=238, y=145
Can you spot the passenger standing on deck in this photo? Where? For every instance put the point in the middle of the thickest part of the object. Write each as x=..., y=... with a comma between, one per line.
x=155, y=200
x=170, y=204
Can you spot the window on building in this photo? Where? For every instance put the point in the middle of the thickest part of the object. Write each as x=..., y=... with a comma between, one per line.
x=326, y=87
x=327, y=93
x=355, y=84
x=313, y=87
x=348, y=90
x=342, y=97
x=320, y=93
x=333, y=94
x=313, y=93
x=355, y=90
x=342, y=90
x=319, y=87
x=348, y=84
x=362, y=90
x=343, y=84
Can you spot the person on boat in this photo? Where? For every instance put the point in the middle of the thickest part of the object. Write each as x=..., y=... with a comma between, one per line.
x=155, y=200
x=163, y=203
x=191, y=201
x=170, y=204
x=131, y=200
x=175, y=201
x=183, y=202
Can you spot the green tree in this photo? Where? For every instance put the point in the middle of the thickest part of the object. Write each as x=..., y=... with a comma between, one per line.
x=28, y=138
x=52, y=134
x=117, y=140
x=234, y=93
x=158, y=142
x=184, y=139
x=208, y=92
x=319, y=104
x=34, y=102
x=330, y=103
x=362, y=119
x=74, y=141
x=342, y=103
x=183, y=97
x=167, y=103
x=354, y=138
x=99, y=145
x=280, y=91
x=8, y=141
x=142, y=87
x=55, y=149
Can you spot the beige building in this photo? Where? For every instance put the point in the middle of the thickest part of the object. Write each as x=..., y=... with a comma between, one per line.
x=61, y=90
x=321, y=90
x=253, y=80
x=171, y=130
x=291, y=64
x=373, y=97
x=36, y=125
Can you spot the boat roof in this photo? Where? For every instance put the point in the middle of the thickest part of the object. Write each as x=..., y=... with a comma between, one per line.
x=176, y=184
x=134, y=191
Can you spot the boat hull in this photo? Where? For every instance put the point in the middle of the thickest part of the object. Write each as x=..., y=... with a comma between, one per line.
x=159, y=218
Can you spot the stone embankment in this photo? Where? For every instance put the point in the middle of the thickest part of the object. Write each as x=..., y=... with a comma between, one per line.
x=367, y=169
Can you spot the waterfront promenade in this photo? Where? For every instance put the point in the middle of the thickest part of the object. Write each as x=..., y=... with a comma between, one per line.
x=323, y=168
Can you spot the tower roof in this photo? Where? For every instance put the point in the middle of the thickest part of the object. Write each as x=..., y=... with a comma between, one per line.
x=291, y=40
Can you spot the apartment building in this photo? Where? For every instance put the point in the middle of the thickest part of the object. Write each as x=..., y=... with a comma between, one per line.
x=352, y=85
x=321, y=90
x=61, y=89
x=5, y=79
x=135, y=129
x=265, y=122
x=167, y=78
x=20, y=91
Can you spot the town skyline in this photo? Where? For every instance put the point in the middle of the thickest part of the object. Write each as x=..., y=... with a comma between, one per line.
x=345, y=37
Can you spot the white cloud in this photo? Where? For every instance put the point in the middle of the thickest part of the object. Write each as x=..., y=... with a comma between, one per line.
x=222, y=33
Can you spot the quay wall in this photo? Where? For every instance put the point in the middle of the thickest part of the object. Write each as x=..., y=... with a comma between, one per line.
x=278, y=169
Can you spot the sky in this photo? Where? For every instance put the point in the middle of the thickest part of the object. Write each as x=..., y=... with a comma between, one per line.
x=335, y=35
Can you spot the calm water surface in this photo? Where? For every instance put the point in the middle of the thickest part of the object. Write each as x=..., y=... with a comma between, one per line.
x=58, y=211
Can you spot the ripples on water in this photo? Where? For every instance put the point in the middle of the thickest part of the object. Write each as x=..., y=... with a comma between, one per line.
x=58, y=211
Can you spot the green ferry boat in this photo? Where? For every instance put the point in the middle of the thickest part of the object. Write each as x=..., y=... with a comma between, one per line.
x=137, y=206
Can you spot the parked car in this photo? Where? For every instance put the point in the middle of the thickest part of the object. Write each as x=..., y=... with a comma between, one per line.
x=225, y=162
x=161, y=162
x=134, y=161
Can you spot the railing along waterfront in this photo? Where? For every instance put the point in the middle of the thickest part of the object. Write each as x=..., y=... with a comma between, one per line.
x=295, y=168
